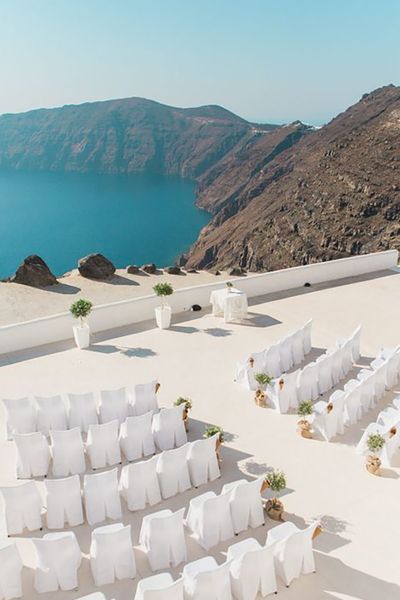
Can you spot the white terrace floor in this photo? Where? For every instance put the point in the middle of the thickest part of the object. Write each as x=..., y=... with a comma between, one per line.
x=358, y=554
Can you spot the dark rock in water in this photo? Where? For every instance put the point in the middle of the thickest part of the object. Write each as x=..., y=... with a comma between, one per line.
x=95, y=266
x=175, y=270
x=34, y=271
x=132, y=269
x=237, y=271
x=150, y=268
x=195, y=307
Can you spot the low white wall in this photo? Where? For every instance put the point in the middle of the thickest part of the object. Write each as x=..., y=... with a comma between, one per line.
x=58, y=327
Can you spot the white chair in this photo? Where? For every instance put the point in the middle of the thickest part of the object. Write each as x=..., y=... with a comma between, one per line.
x=113, y=405
x=209, y=518
x=272, y=357
x=380, y=374
x=68, y=452
x=102, y=445
x=136, y=437
x=347, y=357
x=308, y=382
x=367, y=380
x=169, y=429
x=111, y=554
x=139, y=484
x=306, y=331
x=58, y=560
x=245, y=503
x=297, y=347
x=82, y=411
x=51, y=414
x=173, y=471
x=63, y=500
x=33, y=455
x=10, y=572
x=163, y=540
x=337, y=372
x=352, y=402
x=286, y=359
x=252, y=569
x=393, y=370
x=20, y=416
x=202, y=461
x=101, y=496
x=389, y=416
x=325, y=367
x=246, y=370
x=284, y=392
x=293, y=553
x=355, y=344
x=22, y=505
x=325, y=419
x=159, y=587
x=337, y=400
x=144, y=398
x=204, y=579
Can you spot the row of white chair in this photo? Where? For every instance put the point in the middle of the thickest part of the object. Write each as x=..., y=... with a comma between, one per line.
x=277, y=359
x=140, y=484
x=136, y=437
x=317, y=377
x=26, y=415
x=250, y=568
x=346, y=407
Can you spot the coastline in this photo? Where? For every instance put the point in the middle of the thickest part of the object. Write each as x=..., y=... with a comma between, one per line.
x=21, y=302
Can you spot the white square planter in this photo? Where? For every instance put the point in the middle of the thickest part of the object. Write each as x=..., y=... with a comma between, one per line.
x=82, y=335
x=163, y=316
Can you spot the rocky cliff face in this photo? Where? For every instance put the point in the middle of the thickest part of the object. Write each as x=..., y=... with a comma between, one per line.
x=120, y=136
x=331, y=193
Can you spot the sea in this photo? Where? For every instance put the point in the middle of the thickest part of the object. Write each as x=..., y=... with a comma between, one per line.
x=131, y=219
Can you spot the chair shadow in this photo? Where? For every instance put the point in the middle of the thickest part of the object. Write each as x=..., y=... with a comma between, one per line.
x=129, y=352
x=183, y=329
x=258, y=320
x=217, y=332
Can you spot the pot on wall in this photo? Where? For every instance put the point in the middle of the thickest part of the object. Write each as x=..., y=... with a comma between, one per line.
x=82, y=335
x=163, y=316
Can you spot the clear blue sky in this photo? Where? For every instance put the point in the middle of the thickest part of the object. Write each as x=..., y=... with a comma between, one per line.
x=271, y=60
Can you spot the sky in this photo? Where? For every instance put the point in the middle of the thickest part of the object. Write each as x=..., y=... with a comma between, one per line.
x=266, y=60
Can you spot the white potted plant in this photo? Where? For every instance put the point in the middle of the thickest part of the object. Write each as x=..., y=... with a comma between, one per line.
x=81, y=310
x=375, y=443
x=163, y=312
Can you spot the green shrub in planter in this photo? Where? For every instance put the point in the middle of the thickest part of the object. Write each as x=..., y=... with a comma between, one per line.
x=305, y=409
x=263, y=379
x=211, y=430
x=81, y=309
x=186, y=401
x=163, y=289
x=375, y=443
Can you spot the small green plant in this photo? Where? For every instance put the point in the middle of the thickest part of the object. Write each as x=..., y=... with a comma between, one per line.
x=211, y=430
x=263, y=379
x=81, y=309
x=375, y=442
x=186, y=401
x=162, y=290
x=276, y=481
x=305, y=408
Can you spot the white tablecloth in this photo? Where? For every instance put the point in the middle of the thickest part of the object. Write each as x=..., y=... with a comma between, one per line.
x=230, y=303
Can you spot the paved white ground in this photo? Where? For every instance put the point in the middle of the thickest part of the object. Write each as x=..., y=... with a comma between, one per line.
x=357, y=555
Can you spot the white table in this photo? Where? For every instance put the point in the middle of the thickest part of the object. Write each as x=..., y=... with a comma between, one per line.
x=230, y=303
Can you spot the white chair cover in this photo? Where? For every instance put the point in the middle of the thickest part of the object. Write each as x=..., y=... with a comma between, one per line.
x=308, y=382
x=285, y=396
x=286, y=353
x=272, y=359
x=355, y=344
x=82, y=411
x=163, y=540
x=209, y=518
x=325, y=368
x=33, y=454
x=288, y=552
x=306, y=331
x=203, y=579
x=245, y=372
x=352, y=402
x=169, y=429
x=337, y=372
x=367, y=379
x=51, y=414
x=22, y=505
x=113, y=405
x=10, y=572
x=144, y=398
x=252, y=569
x=347, y=358
x=20, y=416
x=58, y=560
x=389, y=416
x=337, y=399
x=393, y=370
x=298, y=347
x=139, y=484
x=159, y=587
x=245, y=503
x=136, y=436
x=64, y=502
x=325, y=421
x=101, y=496
x=68, y=452
x=102, y=445
x=202, y=461
x=380, y=380
x=173, y=471
x=111, y=554
x=392, y=442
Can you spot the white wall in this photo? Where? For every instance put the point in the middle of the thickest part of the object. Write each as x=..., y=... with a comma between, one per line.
x=58, y=327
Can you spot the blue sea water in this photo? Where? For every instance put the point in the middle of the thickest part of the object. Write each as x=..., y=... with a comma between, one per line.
x=64, y=216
